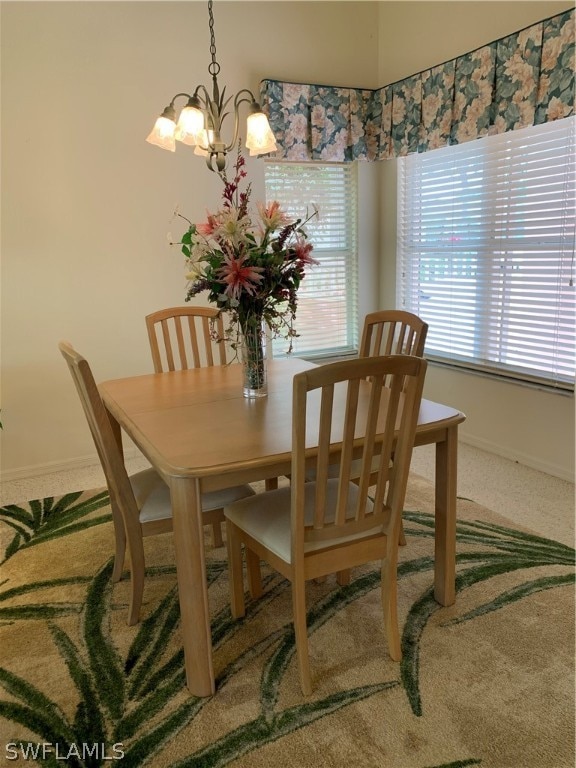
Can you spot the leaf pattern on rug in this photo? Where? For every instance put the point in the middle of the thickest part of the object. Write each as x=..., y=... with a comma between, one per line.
x=515, y=550
x=138, y=697
x=44, y=519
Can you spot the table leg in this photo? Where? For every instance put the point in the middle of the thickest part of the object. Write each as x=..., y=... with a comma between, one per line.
x=192, y=586
x=445, y=529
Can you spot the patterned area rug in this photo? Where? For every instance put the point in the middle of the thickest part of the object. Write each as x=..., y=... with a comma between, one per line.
x=487, y=682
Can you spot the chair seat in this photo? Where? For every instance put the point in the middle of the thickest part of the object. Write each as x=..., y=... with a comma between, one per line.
x=266, y=517
x=153, y=496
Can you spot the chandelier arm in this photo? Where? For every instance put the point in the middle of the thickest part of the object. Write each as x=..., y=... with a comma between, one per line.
x=205, y=96
x=178, y=96
x=238, y=100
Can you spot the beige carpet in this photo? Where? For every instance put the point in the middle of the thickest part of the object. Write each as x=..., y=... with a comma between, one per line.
x=487, y=682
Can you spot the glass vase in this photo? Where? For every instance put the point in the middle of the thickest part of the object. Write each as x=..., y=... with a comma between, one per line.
x=253, y=357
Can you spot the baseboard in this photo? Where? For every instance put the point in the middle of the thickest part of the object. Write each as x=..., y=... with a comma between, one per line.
x=521, y=458
x=39, y=470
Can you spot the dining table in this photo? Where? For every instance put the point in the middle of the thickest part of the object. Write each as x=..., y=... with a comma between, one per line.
x=201, y=434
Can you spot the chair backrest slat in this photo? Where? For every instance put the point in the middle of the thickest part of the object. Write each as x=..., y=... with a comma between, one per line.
x=196, y=360
x=167, y=344
x=348, y=435
x=181, y=345
x=207, y=341
x=363, y=480
x=322, y=461
x=358, y=415
x=181, y=337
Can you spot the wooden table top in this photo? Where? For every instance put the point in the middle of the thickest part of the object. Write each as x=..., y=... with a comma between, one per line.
x=197, y=423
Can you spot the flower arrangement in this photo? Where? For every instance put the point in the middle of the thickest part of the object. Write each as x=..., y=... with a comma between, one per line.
x=251, y=267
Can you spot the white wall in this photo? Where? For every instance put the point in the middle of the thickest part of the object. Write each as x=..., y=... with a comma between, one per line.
x=524, y=424
x=86, y=201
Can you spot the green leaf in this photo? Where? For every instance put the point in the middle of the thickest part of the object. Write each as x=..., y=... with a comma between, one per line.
x=41, y=715
x=89, y=721
x=43, y=611
x=48, y=520
x=157, y=630
x=514, y=594
x=52, y=510
x=142, y=748
x=423, y=608
x=48, y=535
x=103, y=658
x=260, y=731
x=12, y=513
x=36, y=586
x=12, y=547
x=65, y=514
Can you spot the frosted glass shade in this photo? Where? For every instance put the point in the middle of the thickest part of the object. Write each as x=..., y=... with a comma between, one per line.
x=162, y=135
x=190, y=128
x=259, y=137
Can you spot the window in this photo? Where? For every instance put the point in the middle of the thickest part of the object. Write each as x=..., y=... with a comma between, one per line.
x=486, y=252
x=327, y=315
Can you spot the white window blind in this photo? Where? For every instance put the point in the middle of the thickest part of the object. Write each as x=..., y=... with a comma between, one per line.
x=486, y=252
x=326, y=317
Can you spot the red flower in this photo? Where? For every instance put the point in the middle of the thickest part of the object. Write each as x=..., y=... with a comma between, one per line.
x=207, y=229
x=303, y=249
x=238, y=277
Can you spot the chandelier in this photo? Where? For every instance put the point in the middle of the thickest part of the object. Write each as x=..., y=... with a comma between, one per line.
x=200, y=121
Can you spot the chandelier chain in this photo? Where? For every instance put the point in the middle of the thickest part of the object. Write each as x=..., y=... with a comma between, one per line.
x=214, y=67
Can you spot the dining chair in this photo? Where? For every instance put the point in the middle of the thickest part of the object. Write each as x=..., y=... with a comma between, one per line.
x=389, y=332
x=313, y=528
x=182, y=338
x=140, y=502
x=393, y=332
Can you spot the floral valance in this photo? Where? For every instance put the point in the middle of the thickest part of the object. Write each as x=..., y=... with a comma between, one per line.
x=526, y=78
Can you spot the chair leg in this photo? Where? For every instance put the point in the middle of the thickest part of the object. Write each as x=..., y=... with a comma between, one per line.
x=237, y=606
x=136, y=581
x=120, y=544
x=254, y=574
x=343, y=577
x=217, y=540
x=390, y=609
x=402, y=536
x=300, y=632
